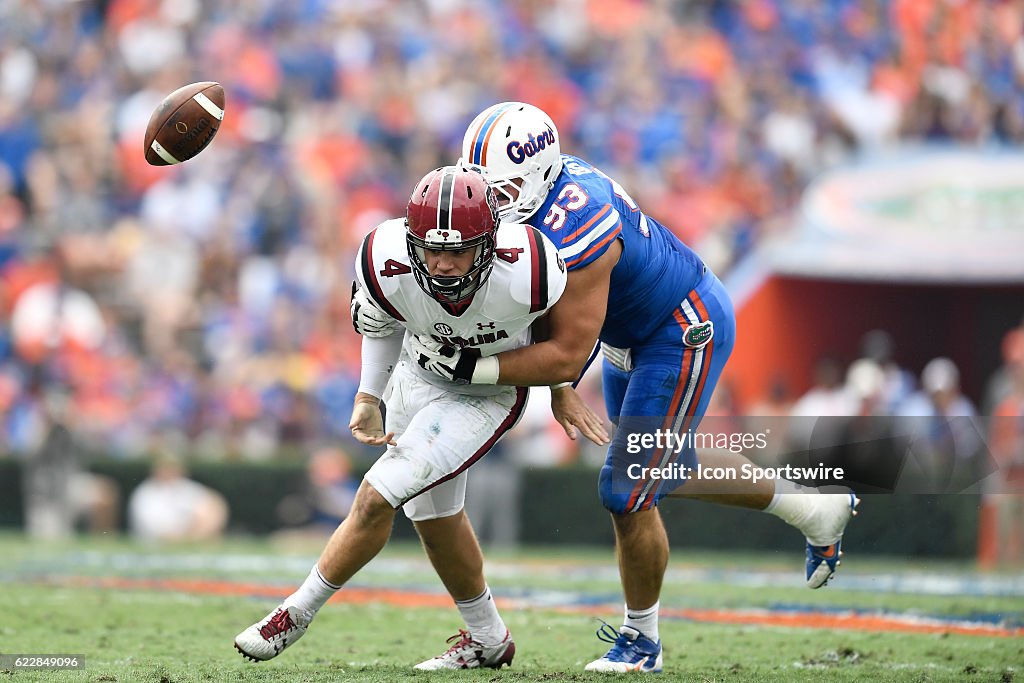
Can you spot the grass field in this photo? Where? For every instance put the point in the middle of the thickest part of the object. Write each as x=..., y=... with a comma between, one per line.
x=168, y=615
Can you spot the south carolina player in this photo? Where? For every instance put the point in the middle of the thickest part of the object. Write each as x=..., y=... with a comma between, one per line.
x=451, y=272
x=666, y=327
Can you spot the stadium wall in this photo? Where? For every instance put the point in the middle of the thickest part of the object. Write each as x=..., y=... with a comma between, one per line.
x=796, y=320
x=560, y=507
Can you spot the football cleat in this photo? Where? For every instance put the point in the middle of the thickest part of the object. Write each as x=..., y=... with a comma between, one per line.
x=824, y=549
x=266, y=639
x=631, y=651
x=467, y=653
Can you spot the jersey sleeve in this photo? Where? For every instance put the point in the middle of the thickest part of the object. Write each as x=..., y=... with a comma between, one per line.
x=378, y=359
x=547, y=271
x=530, y=270
x=588, y=233
x=555, y=274
x=369, y=279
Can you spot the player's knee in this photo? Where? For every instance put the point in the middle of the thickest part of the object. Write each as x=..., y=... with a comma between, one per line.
x=614, y=498
x=617, y=504
x=370, y=506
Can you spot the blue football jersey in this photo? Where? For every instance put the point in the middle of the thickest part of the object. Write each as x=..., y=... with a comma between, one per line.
x=583, y=214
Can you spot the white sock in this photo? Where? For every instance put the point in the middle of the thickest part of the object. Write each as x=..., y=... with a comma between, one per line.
x=643, y=620
x=482, y=618
x=313, y=593
x=792, y=503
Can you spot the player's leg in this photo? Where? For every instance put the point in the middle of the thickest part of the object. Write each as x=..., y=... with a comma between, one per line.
x=356, y=541
x=641, y=546
x=821, y=518
x=649, y=392
x=670, y=381
x=454, y=551
x=359, y=538
x=470, y=427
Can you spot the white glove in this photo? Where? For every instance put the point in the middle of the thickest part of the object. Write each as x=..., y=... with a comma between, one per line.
x=368, y=318
x=464, y=366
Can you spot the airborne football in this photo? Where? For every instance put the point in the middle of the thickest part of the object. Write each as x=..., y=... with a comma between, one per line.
x=184, y=123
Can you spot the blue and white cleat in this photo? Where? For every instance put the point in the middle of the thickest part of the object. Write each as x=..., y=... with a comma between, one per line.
x=824, y=545
x=631, y=651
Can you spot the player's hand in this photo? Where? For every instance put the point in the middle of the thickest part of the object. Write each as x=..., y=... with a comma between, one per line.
x=572, y=413
x=367, y=424
x=435, y=357
x=465, y=366
x=367, y=317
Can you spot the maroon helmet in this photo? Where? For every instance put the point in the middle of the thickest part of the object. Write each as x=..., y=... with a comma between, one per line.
x=451, y=209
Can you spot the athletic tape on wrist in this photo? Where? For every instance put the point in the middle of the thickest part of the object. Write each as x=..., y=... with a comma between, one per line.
x=486, y=370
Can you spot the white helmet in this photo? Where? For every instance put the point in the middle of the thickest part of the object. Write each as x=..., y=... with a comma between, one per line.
x=515, y=145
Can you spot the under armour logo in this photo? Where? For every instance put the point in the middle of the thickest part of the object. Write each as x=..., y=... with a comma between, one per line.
x=485, y=326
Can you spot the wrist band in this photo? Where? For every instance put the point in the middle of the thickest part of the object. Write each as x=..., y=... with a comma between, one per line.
x=486, y=370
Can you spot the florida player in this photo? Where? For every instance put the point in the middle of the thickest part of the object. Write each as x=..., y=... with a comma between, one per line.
x=666, y=328
x=450, y=272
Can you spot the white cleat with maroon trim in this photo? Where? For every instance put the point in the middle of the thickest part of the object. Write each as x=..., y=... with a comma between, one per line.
x=268, y=638
x=467, y=653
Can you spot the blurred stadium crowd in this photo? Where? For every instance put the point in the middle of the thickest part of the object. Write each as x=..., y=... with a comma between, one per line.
x=205, y=306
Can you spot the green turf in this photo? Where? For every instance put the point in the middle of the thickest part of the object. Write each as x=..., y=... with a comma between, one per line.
x=139, y=636
x=169, y=637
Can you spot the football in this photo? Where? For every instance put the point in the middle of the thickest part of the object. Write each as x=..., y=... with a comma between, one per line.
x=184, y=123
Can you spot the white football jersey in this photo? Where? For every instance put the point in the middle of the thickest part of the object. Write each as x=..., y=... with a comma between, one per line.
x=527, y=278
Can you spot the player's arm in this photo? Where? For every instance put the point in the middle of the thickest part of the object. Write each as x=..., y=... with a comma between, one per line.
x=564, y=340
x=574, y=324
x=381, y=346
x=379, y=356
x=567, y=406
